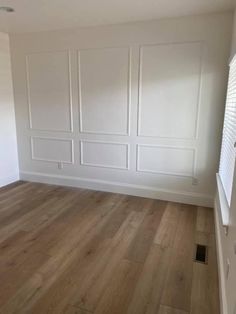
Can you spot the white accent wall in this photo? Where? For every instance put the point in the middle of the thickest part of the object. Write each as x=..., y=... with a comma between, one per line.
x=133, y=108
x=226, y=238
x=8, y=147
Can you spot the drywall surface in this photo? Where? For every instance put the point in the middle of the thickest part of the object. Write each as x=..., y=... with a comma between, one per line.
x=133, y=108
x=8, y=147
x=233, y=45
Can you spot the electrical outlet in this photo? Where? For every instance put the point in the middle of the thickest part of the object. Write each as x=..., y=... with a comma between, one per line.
x=60, y=165
x=227, y=268
x=194, y=181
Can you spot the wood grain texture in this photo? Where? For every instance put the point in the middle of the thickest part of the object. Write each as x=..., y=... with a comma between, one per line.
x=170, y=310
x=205, y=277
x=177, y=288
x=67, y=250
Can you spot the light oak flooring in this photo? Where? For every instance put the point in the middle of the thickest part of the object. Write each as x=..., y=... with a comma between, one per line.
x=67, y=250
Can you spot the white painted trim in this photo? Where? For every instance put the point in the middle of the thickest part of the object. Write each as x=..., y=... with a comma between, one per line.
x=33, y=157
x=81, y=129
x=176, y=174
x=10, y=179
x=82, y=163
x=232, y=60
x=119, y=187
x=202, y=43
x=200, y=84
x=223, y=204
x=31, y=127
x=220, y=260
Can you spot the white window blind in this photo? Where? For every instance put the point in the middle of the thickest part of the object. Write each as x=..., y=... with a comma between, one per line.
x=228, y=150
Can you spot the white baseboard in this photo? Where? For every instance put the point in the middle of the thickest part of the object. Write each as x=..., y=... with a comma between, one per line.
x=220, y=260
x=118, y=187
x=10, y=179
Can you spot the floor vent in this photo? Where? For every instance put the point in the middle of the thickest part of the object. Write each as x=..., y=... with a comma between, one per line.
x=201, y=254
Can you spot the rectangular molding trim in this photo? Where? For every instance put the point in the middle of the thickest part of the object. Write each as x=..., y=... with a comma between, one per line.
x=31, y=127
x=178, y=174
x=118, y=187
x=140, y=80
x=84, y=163
x=82, y=130
x=33, y=157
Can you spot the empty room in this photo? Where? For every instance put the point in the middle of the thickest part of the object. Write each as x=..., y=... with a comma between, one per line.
x=118, y=157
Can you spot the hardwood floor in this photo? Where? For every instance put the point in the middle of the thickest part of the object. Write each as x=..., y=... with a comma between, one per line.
x=67, y=250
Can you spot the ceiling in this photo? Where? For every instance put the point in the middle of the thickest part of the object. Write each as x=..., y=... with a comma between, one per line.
x=41, y=15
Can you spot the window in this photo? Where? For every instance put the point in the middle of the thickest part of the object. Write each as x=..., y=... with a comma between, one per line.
x=228, y=150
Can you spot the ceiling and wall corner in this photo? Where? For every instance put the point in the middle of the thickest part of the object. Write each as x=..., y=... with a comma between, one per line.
x=41, y=15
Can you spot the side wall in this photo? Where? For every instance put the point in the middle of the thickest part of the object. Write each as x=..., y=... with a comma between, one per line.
x=233, y=45
x=227, y=242
x=8, y=147
x=133, y=108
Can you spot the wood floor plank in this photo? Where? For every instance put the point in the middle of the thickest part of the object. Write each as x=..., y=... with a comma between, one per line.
x=51, y=271
x=15, y=226
x=75, y=310
x=9, y=201
x=14, y=275
x=91, y=269
x=177, y=289
x=88, y=296
x=169, y=310
x=69, y=250
x=118, y=294
x=28, y=189
x=40, y=214
x=148, y=291
x=23, y=205
x=166, y=232
x=140, y=247
x=205, y=220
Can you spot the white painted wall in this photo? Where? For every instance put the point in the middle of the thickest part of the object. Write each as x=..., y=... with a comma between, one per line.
x=233, y=44
x=134, y=108
x=227, y=242
x=8, y=147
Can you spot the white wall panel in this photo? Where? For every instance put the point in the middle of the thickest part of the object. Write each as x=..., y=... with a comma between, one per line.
x=9, y=171
x=169, y=86
x=169, y=98
x=166, y=160
x=49, y=94
x=105, y=154
x=104, y=90
x=52, y=149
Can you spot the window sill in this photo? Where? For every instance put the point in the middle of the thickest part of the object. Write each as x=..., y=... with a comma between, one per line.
x=224, y=207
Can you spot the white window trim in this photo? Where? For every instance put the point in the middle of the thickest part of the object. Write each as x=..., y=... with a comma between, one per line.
x=224, y=207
